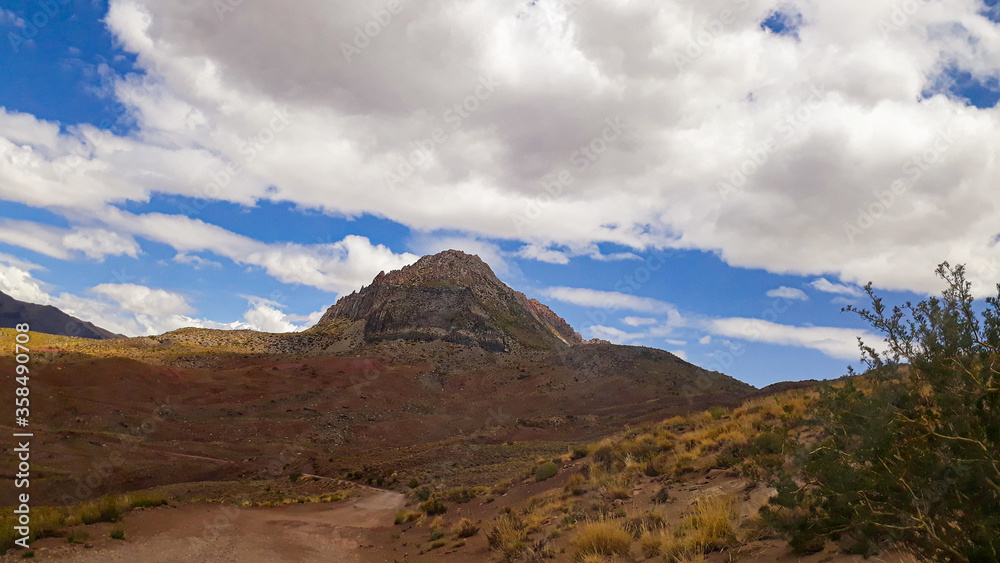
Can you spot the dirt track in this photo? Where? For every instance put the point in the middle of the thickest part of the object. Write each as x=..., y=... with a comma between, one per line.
x=301, y=533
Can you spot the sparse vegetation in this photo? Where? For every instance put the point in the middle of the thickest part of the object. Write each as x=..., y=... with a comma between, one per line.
x=508, y=535
x=433, y=507
x=407, y=516
x=911, y=451
x=546, y=471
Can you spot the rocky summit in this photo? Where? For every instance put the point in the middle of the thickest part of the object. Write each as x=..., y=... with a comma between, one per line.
x=454, y=297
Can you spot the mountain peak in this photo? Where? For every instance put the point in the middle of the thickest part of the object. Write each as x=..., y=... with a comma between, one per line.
x=450, y=267
x=450, y=296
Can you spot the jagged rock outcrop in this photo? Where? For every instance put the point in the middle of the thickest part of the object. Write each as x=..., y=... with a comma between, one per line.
x=450, y=296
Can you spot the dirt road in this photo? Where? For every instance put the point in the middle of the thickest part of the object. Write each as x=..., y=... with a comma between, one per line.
x=301, y=533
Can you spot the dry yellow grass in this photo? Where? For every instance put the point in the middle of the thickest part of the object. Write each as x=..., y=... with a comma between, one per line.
x=708, y=526
x=607, y=538
x=465, y=528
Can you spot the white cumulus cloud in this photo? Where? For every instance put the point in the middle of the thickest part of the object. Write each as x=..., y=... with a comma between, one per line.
x=789, y=293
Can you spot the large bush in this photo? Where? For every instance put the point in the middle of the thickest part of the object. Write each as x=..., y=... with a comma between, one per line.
x=911, y=451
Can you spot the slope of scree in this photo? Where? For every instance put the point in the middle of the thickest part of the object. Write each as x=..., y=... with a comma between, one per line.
x=454, y=297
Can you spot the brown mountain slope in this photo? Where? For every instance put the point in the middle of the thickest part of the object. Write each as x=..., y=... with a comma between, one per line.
x=47, y=319
x=426, y=370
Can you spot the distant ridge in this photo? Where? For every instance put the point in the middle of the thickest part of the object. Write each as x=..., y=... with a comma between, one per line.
x=455, y=297
x=47, y=319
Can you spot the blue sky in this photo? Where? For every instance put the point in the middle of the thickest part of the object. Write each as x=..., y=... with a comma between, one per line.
x=718, y=187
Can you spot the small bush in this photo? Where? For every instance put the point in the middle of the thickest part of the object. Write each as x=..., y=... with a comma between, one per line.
x=77, y=537
x=546, y=471
x=111, y=508
x=718, y=412
x=575, y=484
x=662, y=496
x=294, y=476
x=464, y=528
x=145, y=500
x=407, y=516
x=604, y=455
x=508, y=535
x=649, y=521
x=461, y=495
x=117, y=534
x=766, y=443
x=579, y=452
x=651, y=544
x=433, y=507
x=606, y=538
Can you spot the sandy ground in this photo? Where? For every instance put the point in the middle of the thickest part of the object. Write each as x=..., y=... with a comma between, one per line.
x=301, y=533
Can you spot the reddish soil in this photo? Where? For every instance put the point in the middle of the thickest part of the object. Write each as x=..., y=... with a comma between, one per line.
x=301, y=533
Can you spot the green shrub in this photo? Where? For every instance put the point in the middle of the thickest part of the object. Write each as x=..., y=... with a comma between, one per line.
x=604, y=455
x=718, y=412
x=766, y=443
x=143, y=500
x=407, y=516
x=118, y=534
x=433, y=507
x=546, y=471
x=462, y=495
x=911, y=453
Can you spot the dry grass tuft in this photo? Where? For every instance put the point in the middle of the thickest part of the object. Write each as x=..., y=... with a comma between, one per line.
x=607, y=538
